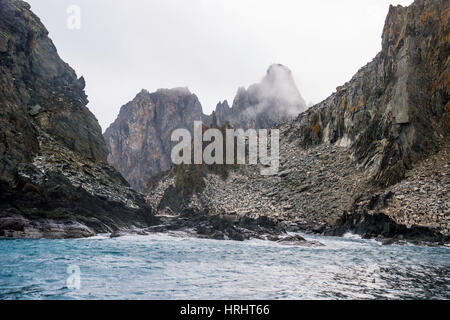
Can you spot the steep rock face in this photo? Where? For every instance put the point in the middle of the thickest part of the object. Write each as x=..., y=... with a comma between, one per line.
x=395, y=110
x=36, y=82
x=139, y=139
x=352, y=152
x=53, y=156
x=274, y=100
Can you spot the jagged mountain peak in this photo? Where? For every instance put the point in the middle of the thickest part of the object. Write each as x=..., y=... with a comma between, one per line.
x=273, y=100
x=222, y=106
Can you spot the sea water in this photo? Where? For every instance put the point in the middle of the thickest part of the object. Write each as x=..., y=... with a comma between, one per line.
x=164, y=266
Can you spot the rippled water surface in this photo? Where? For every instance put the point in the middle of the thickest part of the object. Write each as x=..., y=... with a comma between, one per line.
x=165, y=267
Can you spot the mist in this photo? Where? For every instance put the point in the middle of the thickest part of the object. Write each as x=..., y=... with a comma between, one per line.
x=276, y=93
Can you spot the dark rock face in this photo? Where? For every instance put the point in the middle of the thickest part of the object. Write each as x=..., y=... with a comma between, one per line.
x=53, y=165
x=36, y=82
x=274, y=100
x=139, y=140
x=376, y=147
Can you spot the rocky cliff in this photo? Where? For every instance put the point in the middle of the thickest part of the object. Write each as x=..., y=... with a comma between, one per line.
x=55, y=181
x=139, y=139
x=395, y=110
x=376, y=147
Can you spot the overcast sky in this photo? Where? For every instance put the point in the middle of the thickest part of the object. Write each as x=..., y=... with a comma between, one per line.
x=212, y=46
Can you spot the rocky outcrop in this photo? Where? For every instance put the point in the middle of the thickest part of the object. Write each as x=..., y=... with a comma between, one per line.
x=381, y=227
x=55, y=180
x=199, y=225
x=367, y=150
x=139, y=140
x=274, y=100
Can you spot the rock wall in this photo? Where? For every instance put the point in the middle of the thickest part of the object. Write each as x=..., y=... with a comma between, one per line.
x=395, y=110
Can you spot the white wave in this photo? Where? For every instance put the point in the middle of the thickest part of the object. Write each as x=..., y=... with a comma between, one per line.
x=350, y=235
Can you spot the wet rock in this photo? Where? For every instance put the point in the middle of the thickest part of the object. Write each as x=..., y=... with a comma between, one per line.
x=319, y=229
x=383, y=228
x=117, y=234
x=299, y=241
x=387, y=242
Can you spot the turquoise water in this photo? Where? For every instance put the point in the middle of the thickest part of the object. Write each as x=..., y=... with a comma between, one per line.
x=170, y=267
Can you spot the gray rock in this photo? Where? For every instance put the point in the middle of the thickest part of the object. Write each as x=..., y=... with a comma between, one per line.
x=34, y=110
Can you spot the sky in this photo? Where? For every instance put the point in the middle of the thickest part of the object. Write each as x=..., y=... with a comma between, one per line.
x=211, y=46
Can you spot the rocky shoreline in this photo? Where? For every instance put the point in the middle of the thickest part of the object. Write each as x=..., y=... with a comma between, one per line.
x=385, y=230
x=378, y=227
x=198, y=225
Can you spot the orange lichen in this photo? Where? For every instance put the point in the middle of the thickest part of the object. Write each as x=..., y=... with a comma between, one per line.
x=317, y=130
x=344, y=103
x=426, y=15
x=423, y=17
